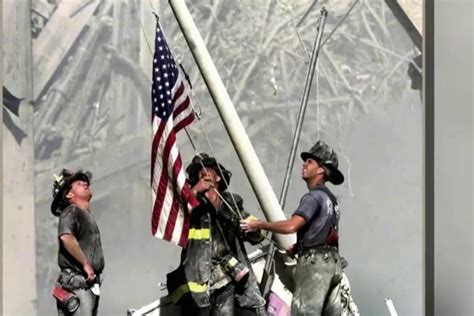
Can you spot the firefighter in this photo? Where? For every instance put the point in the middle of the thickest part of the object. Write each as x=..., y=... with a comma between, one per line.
x=318, y=272
x=80, y=256
x=215, y=275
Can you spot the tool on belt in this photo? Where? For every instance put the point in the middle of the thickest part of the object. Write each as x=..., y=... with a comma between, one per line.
x=69, y=281
x=67, y=299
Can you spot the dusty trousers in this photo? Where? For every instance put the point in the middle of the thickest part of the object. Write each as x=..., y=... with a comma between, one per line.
x=318, y=278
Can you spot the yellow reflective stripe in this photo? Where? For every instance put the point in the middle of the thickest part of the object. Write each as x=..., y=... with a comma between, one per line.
x=185, y=288
x=198, y=233
x=231, y=263
x=197, y=287
x=178, y=293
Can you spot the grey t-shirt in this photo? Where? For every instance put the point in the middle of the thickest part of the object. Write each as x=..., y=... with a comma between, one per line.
x=80, y=223
x=318, y=210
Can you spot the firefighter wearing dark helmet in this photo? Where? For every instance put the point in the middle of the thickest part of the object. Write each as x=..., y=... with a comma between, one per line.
x=80, y=255
x=215, y=277
x=318, y=271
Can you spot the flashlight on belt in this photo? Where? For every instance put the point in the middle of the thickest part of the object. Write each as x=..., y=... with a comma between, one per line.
x=68, y=300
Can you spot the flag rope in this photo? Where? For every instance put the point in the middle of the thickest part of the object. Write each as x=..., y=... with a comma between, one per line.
x=198, y=115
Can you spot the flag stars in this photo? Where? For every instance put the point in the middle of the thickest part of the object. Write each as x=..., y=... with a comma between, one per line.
x=165, y=75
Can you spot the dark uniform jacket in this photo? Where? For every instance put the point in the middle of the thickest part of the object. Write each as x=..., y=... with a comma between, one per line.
x=206, y=247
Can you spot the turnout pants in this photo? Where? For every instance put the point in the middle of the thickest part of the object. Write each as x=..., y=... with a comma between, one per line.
x=222, y=304
x=318, y=278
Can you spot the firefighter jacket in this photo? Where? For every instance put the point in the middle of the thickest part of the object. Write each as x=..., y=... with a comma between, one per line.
x=205, y=249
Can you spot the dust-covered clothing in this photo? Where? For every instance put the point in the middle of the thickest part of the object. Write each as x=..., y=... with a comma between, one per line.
x=318, y=276
x=203, y=270
x=320, y=213
x=318, y=271
x=80, y=223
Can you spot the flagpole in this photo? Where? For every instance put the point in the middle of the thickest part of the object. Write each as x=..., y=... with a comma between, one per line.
x=265, y=284
x=249, y=159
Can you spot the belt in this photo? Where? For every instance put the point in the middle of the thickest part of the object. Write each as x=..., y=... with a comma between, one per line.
x=74, y=272
x=315, y=249
x=72, y=280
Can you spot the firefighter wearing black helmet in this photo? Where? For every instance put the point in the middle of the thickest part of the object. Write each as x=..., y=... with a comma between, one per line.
x=215, y=277
x=80, y=255
x=318, y=272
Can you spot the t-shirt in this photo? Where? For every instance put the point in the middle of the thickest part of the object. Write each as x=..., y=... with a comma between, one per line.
x=80, y=223
x=317, y=208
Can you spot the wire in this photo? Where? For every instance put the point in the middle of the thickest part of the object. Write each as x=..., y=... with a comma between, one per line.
x=198, y=115
x=339, y=23
x=142, y=28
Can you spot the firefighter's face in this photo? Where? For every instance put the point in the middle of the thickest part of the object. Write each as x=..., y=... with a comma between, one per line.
x=210, y=175
x=311, y=169
x=80, y=189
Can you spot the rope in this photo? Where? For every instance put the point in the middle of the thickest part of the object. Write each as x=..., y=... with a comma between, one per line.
x=288, y=12
x=174, y=56
x=339, y=23
x=142, y=28
x=240, y=216
x=198, y=114
x=228, y=205
x=214, y=155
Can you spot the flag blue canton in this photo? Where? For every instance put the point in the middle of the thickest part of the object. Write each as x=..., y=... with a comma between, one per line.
x=165, y=74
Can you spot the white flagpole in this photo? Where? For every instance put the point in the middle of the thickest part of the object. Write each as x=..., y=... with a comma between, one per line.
x=391, y=307
x=252, y=166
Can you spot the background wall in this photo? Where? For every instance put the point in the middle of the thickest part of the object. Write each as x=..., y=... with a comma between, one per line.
x=454, y=140
x=18, y=224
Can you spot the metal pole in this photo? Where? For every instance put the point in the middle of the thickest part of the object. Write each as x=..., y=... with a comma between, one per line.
x=266, y=282
x=249, y=159
x=303, y=106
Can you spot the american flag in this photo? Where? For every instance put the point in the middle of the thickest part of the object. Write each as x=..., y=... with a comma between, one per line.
x=171, y=112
